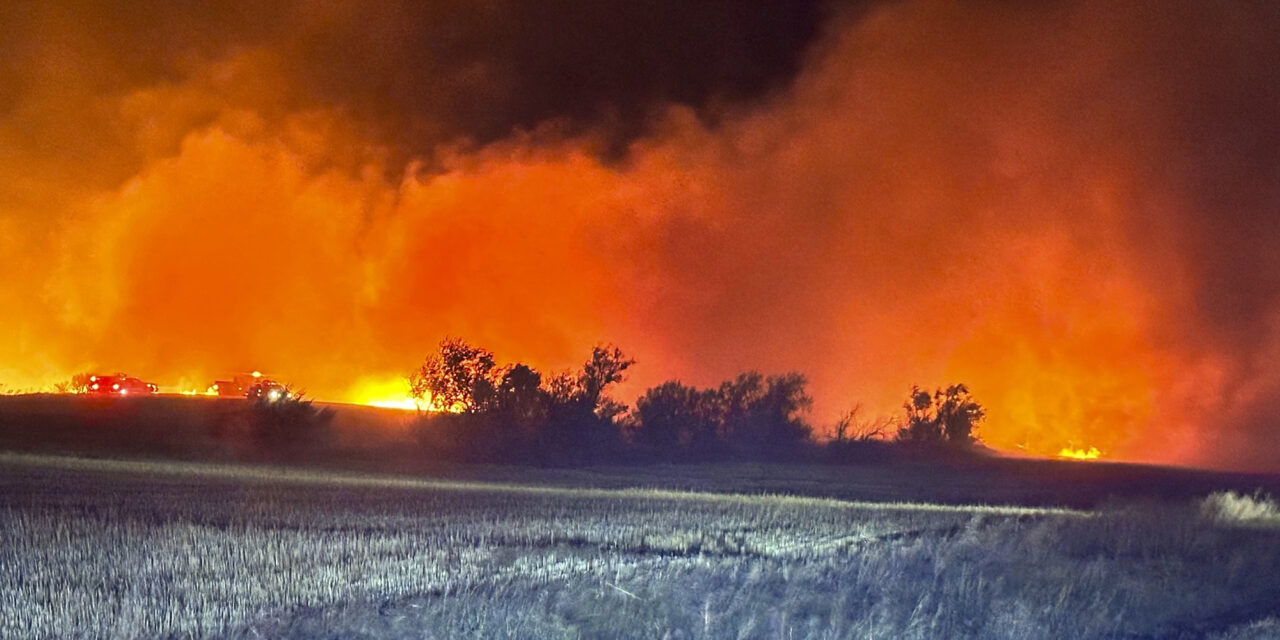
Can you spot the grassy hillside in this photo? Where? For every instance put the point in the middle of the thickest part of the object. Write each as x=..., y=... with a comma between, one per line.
x=360, y=438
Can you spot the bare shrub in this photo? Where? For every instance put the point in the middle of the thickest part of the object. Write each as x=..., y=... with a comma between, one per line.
x=288, y=425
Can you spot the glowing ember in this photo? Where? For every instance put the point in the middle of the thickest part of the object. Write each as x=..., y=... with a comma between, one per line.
x=1091, y=453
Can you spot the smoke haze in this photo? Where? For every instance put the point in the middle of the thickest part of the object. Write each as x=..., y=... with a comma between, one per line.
x=1073, y=207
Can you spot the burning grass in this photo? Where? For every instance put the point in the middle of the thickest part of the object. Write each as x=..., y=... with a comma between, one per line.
x=141, y=549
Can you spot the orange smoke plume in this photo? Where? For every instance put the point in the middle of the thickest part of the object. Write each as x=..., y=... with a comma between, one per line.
x=979, y=193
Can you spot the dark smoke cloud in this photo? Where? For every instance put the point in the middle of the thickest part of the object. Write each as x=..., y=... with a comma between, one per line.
x=1072, y=206
x=482, y=70
x=413, y=75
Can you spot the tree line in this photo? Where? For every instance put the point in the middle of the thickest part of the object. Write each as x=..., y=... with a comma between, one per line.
x=483, y=411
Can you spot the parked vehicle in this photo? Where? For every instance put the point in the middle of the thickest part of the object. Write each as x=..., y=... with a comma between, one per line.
x=268, y=390
x=237, y=386
x=120, y=384
x=251, y=385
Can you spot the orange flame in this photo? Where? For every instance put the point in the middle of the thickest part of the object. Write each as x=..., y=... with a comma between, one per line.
x=1091, y=453
x=386, y=393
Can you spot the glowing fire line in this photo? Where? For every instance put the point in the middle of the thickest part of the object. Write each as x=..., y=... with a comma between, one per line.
x=1092, y=453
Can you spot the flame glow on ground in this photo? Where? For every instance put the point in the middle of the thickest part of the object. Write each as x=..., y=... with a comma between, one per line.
x=1091, y=453
x=385, y=393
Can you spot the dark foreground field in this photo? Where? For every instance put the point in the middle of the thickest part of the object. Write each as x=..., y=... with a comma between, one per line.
x=146, y=549
x=366, y=439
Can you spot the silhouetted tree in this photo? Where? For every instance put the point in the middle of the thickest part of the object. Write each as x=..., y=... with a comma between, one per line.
x=858, y=439
x=562, y=387
x=922, y=424
x=582, y=420
x=674, y=420
x=958, y=413
x=515, y=414
x=751, y=417
x=605, y=367
x=774, y=425
x=457, y=378
x=948, y=415
x=851, y=428
x=520, y=399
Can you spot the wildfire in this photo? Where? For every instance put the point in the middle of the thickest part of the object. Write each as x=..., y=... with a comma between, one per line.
x=388, y=393
x=334, y=250
x=1091, y=453
x=407, y=404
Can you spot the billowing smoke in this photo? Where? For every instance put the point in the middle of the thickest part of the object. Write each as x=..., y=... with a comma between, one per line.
x=1074, y=207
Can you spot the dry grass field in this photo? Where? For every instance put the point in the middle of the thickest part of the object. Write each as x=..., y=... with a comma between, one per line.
x=145, y=549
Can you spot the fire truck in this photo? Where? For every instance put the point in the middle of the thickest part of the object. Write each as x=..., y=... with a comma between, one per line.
x=120, y=384
x=250, y=385
x=236, y=386
x=268, y=390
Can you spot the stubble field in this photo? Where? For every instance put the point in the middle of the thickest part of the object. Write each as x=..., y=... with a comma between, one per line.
x=103, y=549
